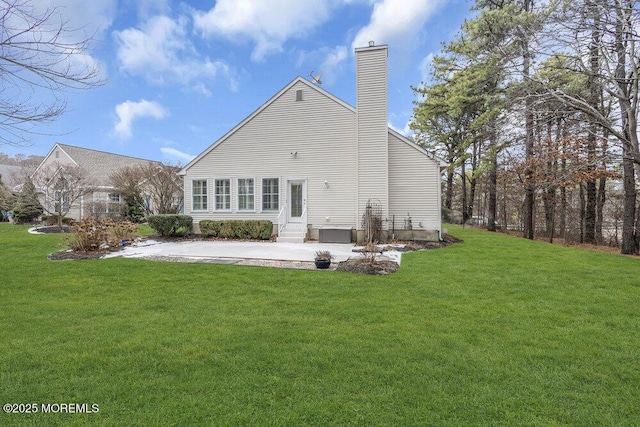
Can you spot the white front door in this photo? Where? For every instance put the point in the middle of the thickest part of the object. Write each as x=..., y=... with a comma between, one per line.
x=297, y=199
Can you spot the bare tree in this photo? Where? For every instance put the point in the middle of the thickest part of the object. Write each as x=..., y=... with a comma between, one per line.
x=60, y=187
x=155, y=187
x=126, y=181
x=164, y=187
x=41, y=57
x=604, y=47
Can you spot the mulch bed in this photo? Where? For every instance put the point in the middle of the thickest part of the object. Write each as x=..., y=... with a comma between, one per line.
x=363, y=266
x=69, y=254
x=52, y=229
x=360, y=266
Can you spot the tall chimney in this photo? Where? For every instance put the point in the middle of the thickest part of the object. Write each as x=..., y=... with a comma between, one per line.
x=372, y=127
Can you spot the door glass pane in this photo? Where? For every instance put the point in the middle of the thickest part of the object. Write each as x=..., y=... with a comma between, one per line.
x=296, y=200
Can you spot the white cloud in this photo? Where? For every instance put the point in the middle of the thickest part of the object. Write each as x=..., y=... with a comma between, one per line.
x=425, y=68
x=396, y=21
x=92, y=17
x=129, y=111
x=406, y=131
x=147, y=8
x=266, y=23
x=176, y=155
x=161, y=51
x=332, y=63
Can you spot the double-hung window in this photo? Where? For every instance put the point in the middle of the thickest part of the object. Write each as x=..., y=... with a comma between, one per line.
x=245, y=194
x=223, y=194
x=199, y=194
x=270, y=194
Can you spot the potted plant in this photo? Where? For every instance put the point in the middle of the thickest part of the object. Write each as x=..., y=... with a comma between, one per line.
x=323, y=259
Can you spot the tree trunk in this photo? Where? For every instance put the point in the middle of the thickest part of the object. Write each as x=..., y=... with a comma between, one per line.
x=493, y=180
x=463, y=174
x=582, y=215
x=563, y=172
x=529, y=197
x=629, y=245
x=627, y=98
x=600, y=200
x=594, y=95
x=602, y=194
x=448, y=198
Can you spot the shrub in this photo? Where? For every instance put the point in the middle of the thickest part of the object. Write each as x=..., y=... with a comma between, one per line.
x=324, y=255
x=171, y=225
x=237, y=229
x=27, y=207
x=26, y=211
x=93, y=235
x=450, y=216
x=53, y=220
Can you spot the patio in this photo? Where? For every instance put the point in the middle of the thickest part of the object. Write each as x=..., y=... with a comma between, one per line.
x=294, y=255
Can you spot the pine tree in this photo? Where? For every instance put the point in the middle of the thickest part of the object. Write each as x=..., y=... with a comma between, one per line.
x=27, y=207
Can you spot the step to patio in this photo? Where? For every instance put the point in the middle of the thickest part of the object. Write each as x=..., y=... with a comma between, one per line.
x=291, y=234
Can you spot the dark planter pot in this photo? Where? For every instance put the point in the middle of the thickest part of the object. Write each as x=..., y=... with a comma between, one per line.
x=322, y=263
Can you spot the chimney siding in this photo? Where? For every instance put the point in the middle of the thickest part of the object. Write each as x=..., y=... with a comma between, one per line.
x=372, y=128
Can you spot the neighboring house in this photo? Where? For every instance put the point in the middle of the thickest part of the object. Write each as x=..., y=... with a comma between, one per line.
x=312, y=164
x=98, y=198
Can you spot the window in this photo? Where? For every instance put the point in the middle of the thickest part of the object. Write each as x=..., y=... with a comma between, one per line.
x=245, y=194
x=299, y=95
x=61, y=196
x=199, y=194
x=223, y=194
x=61, y=202
x=114, y=197
x=270, y=194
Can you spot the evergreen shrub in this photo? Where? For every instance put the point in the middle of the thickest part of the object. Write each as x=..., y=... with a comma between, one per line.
x=168, y=225
x=237, y=229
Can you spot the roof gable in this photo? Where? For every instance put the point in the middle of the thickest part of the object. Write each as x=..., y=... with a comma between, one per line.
x=417, y=147
x=260, y=109
x=99, y=165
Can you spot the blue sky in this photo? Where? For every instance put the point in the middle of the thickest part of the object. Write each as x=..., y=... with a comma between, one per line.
x=181, y=74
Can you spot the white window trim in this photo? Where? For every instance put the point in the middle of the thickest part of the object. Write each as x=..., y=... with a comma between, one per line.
x=253, y=194
x=206, y=193
x=215, y=195
x=277, y=208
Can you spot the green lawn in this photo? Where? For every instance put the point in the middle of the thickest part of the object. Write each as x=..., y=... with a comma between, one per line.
x=494, y=331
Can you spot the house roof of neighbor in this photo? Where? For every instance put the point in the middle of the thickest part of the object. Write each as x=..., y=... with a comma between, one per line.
x=99, y=165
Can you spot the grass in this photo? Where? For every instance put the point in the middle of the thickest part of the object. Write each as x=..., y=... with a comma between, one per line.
x=494, y=331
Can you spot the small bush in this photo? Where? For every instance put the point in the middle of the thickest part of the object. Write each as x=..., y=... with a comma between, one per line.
x=94, y=235
x=168, y=225
x=324, y=255
x=450, y=216
x=237, y=229
x=53, y=220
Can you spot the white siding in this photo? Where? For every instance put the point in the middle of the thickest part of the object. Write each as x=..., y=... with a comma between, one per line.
x=372, y=127
x=414, y=186
x=322, y=133
x=52, y=162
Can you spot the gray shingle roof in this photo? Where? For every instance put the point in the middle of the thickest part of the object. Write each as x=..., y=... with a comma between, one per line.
x=100, y=165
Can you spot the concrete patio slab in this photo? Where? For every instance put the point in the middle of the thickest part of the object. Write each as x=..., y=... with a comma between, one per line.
x=198, y=249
